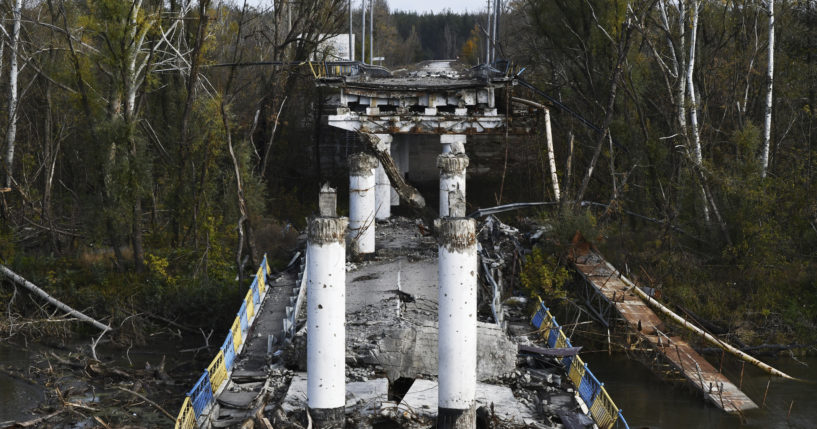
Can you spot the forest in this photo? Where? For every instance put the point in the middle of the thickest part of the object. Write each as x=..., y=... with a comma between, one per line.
x=150, y=158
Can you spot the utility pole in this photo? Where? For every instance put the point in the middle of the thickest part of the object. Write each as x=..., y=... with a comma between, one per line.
x=363, y=35
x=351, y=35
x=495, y=35
x=371, y=31
x=488, y=37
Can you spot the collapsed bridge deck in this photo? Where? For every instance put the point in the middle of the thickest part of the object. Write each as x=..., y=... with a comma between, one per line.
x=651, y=330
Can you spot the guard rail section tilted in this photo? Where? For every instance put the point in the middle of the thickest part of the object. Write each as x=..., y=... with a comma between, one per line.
x=602, y=409
x=203, y=394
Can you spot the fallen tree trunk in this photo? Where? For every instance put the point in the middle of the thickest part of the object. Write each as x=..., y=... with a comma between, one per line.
x=686, y=324
x=16, y=278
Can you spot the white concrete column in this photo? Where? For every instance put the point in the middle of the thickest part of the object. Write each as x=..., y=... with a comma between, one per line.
x=452, y=177
x=362, y=202
x=383, y=186
x=457, y=317
x=326, y=321
x=453, y=143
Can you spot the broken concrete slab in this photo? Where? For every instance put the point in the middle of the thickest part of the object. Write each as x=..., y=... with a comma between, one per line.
x=295, y=398
x=421, y=399
x=366, y=396
x=406, y=347
x=361, y=396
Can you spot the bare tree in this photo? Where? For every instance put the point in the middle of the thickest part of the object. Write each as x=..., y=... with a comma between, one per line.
x=767, y=124
x=11, y=132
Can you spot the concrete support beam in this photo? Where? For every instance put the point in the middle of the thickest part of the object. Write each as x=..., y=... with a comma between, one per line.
x=400, y=155
x=453, y=143
x=452, y=180
x=457, y=316
x=478, y=123
x=362, y=202
x=326, y=320
x=383, y=186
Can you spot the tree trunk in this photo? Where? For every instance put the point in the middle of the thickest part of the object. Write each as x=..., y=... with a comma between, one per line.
x=693, y=110
x=11, y=133
x=767, y=126
x=551, y=157
x=192, y=83
x=608, y=117
x=16, y=278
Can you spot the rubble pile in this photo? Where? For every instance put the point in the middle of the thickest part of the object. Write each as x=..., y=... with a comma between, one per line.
x=391, y=344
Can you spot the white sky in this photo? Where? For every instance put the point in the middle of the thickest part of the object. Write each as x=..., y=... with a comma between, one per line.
x=437, y=5
x=414, y=5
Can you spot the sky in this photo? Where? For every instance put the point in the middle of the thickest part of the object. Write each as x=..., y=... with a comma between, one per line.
x=456, y=6
x=437, y=5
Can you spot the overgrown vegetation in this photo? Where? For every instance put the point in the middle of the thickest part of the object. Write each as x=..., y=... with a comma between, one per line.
x=543, y=276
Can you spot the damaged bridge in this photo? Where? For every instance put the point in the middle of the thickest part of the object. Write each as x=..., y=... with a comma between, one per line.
x=391, y=319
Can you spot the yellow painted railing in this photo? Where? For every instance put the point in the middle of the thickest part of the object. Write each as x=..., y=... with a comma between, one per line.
x=602, y=409
x=217, y=370
x=202, y=395
x=187, y=417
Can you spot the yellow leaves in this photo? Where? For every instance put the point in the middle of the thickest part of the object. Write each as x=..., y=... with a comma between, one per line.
x=542, y=275
x=158, y=266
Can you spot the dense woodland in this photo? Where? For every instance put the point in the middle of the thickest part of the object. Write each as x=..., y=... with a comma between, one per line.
x=143, y=166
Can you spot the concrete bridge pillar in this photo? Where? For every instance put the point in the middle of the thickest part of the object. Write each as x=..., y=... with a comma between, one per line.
x=457, y=317
x=383, y=186
x=326, y=319
x=453, y=143
x=452, y=178
x=362, y=201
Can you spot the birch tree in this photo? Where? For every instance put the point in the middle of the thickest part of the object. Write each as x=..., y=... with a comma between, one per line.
x=11, y=132
x=767, y=116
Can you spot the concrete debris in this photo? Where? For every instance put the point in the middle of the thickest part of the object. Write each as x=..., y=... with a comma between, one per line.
x=391, y=344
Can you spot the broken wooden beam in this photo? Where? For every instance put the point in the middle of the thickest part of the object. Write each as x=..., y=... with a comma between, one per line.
x=407, y=192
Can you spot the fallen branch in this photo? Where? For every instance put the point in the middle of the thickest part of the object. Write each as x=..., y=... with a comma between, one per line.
x=140, y=396
x=11, y=275
x=32, y=422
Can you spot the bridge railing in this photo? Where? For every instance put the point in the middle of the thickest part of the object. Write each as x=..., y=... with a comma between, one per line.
x=203, y=394
x=296, y=302
x=322, y=69
x=602, y=409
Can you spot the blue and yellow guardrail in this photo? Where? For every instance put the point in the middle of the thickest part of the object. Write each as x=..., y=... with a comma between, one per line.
x=322, y=69
x=602, y=409
x=202, y=395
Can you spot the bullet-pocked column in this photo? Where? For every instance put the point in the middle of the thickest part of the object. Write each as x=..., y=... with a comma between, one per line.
x=362, y=201
x=326, y=321
x=452, y=177
x=383, y=186
x=457, y=317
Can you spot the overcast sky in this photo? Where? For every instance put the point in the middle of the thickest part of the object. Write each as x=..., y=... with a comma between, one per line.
x=414, y=5
x=437, y=5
